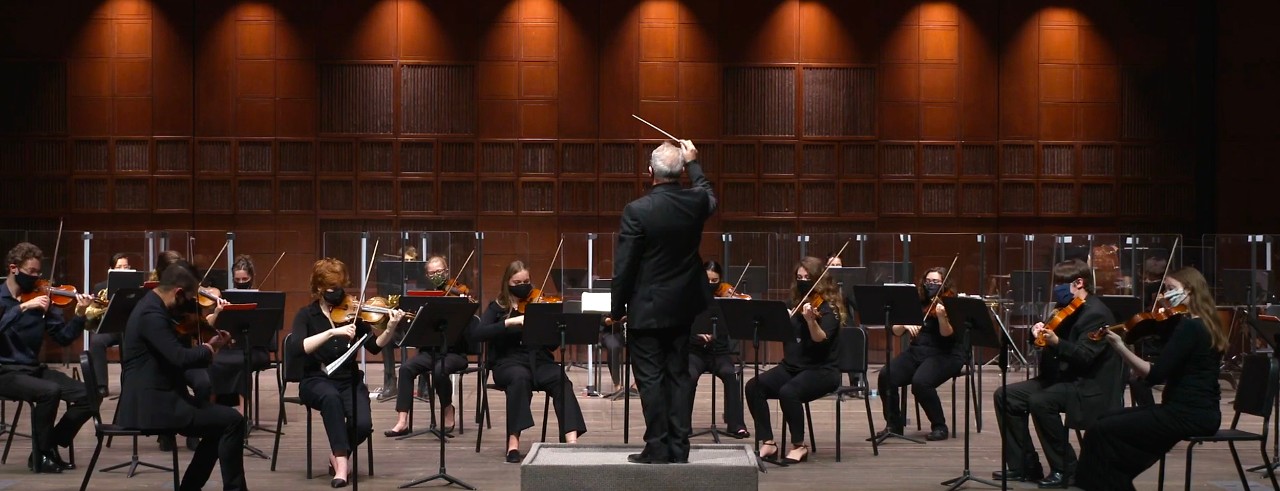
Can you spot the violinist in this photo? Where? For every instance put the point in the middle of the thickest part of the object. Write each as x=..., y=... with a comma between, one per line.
x=1123, y=444
x=23, y=325
x=1077, y=376
x=318, y=341
x=808, y=369
x=429, y=359
x=98, y=343
x=154, y=394
x=519, y=368
x=227, y=373
x=935, y=355
x=714, y=353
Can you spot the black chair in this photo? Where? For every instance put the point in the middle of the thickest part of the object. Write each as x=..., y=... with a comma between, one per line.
x=974, y=400
x=288, y=375
x=12, y=429
x=482, y=409
x=1255, y=394
x=851, y=358
x=714, y=430
x=102, y=430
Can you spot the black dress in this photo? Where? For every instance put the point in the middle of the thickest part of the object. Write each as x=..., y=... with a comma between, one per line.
x=1123, y=444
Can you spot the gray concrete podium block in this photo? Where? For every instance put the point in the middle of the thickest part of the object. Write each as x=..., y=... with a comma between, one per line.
x=559, y=466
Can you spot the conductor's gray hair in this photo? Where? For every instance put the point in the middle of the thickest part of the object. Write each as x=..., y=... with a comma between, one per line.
x=667, y=162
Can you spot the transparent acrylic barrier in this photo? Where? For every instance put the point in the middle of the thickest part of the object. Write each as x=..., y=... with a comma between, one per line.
x=103, y=246
x=883, y=255
x=1124, y=264
x=1243, y=268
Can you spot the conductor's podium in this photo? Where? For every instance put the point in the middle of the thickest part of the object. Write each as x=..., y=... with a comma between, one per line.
x=558, y=466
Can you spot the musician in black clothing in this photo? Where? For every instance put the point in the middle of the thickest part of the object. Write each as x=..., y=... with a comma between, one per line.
x=1078, y=376
x=519, y=368
x=154, y=394
x=227, y=372
x=705, y=351
x=317, y=342
x=22, y=377
x=808, y=369
x=935, y=355
x=429, y=359
x=98, y=343
x=1123, y=444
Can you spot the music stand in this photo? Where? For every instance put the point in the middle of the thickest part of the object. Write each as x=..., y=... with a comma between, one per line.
x=566, y=278
x=118, y=279
x=883, y=272
x=754, y=282
x=546, y=324
x=708, y=322
x=1123, y=307
x=972, y=315
x=845, y=278
x=439, y=323
x=414, y=304
x=113, y=322
x=392, y=276
x=1267, y=328
x=756, y=321
x=900, y=305
x=251, y=328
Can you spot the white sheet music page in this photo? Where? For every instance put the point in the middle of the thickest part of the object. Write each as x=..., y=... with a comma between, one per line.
x=328, y=369
x=596, y=303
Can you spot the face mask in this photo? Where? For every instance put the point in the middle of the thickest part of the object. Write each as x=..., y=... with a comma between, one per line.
x=803, y=286
x=438, y=279
x=335, y=296
x=242, y=285
x=521, y=292
x=931, y=290
x=26, y=282
x=1175, y=297
x=1062, y=294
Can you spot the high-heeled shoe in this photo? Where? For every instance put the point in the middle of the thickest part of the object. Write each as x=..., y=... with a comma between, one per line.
x=338, y=483
x=803, y=457
x=772, y=457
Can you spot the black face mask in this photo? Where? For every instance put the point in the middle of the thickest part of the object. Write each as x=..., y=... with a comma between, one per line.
x=521, y=292
x=803, y=286
x=931, y=290
x=334, y=296
x=26, y=282
x=242, y=285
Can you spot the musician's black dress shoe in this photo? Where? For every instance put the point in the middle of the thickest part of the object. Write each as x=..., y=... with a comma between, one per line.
x=641, y=458
x=40, y=463
x=939, y=433
x=57, y=459
x=167, y=442
x=1056, y=480
x=1032, y=473
x=513, y=457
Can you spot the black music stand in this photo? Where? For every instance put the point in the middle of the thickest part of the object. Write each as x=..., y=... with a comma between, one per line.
x=440, y=324
x=752, y=280
x=1269, y=330
x=265, y=300
x=421, y=334
x=708, y=322
x=972, y=315
x=845, y=278
x=1123, y=307
x=254, y=328
x=756, y=321
x=114, y=321
x=546, y=324
x=118, y=279
x=900, y=305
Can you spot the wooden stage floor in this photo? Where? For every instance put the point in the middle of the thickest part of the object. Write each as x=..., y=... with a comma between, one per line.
x=900, y=465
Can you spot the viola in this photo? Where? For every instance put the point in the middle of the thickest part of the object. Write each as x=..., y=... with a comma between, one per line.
x=931, y=310
x=454, y=288
x=536, y=296
x=1144, y=324
x=208, y=296
x=1056, y=319
x=725, y=290
x=61, y=295
x=372, y=311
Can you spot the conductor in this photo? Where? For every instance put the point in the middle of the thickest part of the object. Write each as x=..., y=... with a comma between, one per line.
x=658, y=284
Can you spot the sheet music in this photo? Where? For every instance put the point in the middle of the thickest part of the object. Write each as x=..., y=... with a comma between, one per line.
x=596, y=302
x=329, y=369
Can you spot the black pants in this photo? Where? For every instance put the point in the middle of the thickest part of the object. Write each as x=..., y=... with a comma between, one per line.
x=440, y=367
x=925, y=368
x=388, y=368
x=725, y=369
x=221, y=433
x=98, y=344
x=332, y=397
x=792, y=388
x=200, y=382
x=46, y=388
x=519, y=381
x=1125, y=443
x=660, y=360
x=226, y=373
x=1043, y=403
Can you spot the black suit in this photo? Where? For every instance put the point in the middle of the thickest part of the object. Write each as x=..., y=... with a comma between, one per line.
x=1079, y=377
x=154, y=395
x=659, y=284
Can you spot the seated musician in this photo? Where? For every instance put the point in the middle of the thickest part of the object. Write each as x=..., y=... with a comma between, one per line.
x=706, y=352
x=1123, y=444
x=935, y=355
x=520, y=369
x=1077, y=376
x=318, y=341
x=154, y=394
x=429, y=359
x=227, y=371
x=98, y=343
x=808, y=369
x=23, y=325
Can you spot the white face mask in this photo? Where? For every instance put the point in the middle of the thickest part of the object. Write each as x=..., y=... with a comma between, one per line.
x=1175, y=297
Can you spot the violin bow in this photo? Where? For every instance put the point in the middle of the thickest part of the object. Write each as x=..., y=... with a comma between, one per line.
x=57, y=243
x=1167, y=264
x=660, y=130
x=212, y=263
x=542, y=289
x=464, y=268
x=815, y=282
x=945, y=277
x=272, y=270
x=364, y=284
x=743, y=275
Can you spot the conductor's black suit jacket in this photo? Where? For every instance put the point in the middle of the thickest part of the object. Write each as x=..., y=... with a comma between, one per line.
x=658, y=280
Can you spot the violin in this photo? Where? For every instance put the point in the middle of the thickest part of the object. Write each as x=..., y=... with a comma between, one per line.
x=208, y=297
x=725, y=290
x=1143, y=324
x=60, y=296
x=536, y=296
x=454, y=288
x=1056, y=319
x=931, y=310
x=194, y=327
x=373, y=311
